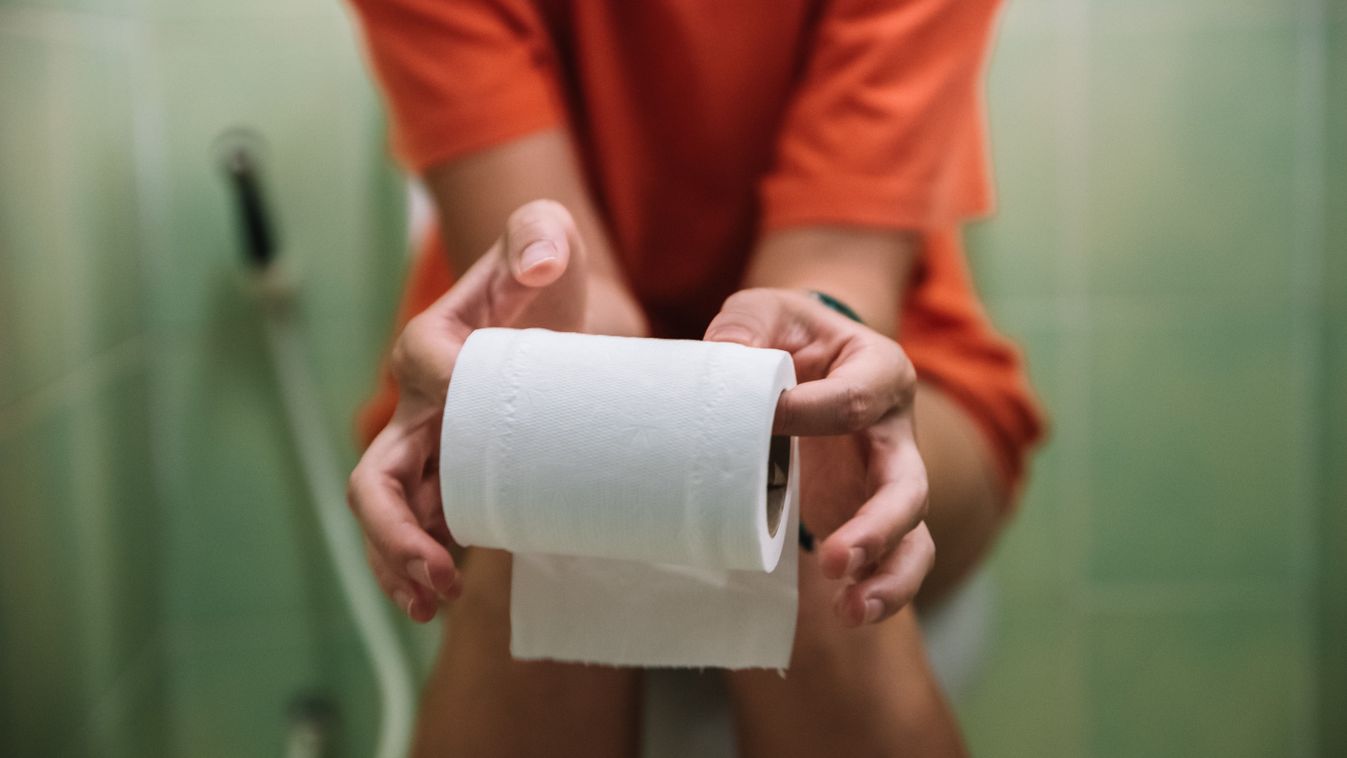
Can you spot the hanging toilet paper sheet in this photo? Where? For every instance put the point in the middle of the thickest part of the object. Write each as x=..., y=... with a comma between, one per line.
x=651, y=512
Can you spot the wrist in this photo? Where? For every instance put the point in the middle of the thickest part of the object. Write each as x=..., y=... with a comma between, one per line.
x=865, y=268
x=836, y=305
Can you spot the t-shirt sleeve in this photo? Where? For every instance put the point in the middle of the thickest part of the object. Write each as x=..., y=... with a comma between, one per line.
x=886, y=127
x=459, y=75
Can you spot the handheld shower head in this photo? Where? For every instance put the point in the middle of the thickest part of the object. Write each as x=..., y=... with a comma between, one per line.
x=239, y=150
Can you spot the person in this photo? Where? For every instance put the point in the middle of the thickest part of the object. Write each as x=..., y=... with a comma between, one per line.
x=699, y=170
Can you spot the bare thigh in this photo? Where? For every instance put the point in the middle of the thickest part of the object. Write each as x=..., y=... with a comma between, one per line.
x=481, y=702
x=853, y=692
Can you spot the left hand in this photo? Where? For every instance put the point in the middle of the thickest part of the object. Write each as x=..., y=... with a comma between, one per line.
x=534, y=275
x=863, y=482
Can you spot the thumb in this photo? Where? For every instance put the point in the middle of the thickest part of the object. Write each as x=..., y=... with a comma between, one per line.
x=750, y=317
x=538, y=242
x=533, y=275
x=514, y=283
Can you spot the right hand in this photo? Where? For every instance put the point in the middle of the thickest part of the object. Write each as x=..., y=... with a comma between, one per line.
x=534, y=275
x=863, y=481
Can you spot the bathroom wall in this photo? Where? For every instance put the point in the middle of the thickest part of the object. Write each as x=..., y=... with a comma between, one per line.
x=162, y=590
x=1333, y=520
x=81, y=622
x=1161, y=250
x=1169, y=251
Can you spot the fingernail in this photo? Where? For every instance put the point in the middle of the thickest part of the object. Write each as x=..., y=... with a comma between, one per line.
x=855, y=561
x=536, y=253
x=404, y=600
x=420, y=571
x=873, y=609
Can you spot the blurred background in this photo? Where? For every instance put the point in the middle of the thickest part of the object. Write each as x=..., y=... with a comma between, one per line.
x=1169, y=250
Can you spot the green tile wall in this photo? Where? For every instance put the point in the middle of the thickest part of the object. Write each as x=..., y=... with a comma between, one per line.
x=80, y=610
x=1333, y=457
x=1202, y=105
x=163, y=590
x=1173, y=583
x=1155, y=252
x=1017, y=254
x=1196, y=447
x=247, y=576
x=80, y=613
x=72, y=273
x=1195, y=683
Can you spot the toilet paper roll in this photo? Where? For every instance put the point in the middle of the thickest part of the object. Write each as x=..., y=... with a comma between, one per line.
x=640, y=488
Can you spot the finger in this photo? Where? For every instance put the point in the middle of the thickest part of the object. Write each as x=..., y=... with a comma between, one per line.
x=537, y=242
x=750, y=317
x=893, y=511
x=893, y=585
x=399, y=590
x=540, y=248
x=429, y=508
x=419, y=602
x=378, y=502
x=862, y=374
x=869, y=378
x=899, y=502
x=416, y=602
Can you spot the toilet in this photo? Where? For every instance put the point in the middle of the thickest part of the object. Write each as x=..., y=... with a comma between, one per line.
x=686, y=712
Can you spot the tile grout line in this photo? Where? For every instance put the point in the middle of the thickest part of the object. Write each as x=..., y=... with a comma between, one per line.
x=133, y=678
x=83, y=378
x=63, y=27
x=1073, y=430
x=1308, y=266
x=90, y=595
x=152, y=193
x=1140, y=598
x=1072, y=314
x=57, y=23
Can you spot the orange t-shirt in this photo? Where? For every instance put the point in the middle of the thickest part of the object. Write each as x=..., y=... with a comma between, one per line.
x=703, y=125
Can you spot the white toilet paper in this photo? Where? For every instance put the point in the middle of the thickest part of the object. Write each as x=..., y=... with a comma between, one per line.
x=640, y=489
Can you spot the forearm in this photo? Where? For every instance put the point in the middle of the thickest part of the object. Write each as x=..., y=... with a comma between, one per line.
x=865, y=268
x=475, y=194
x=868, y=270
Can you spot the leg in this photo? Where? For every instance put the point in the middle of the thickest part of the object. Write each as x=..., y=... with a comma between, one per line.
x=870, y=691
x=481, y=702
x=854, y=692
x=968, y=494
